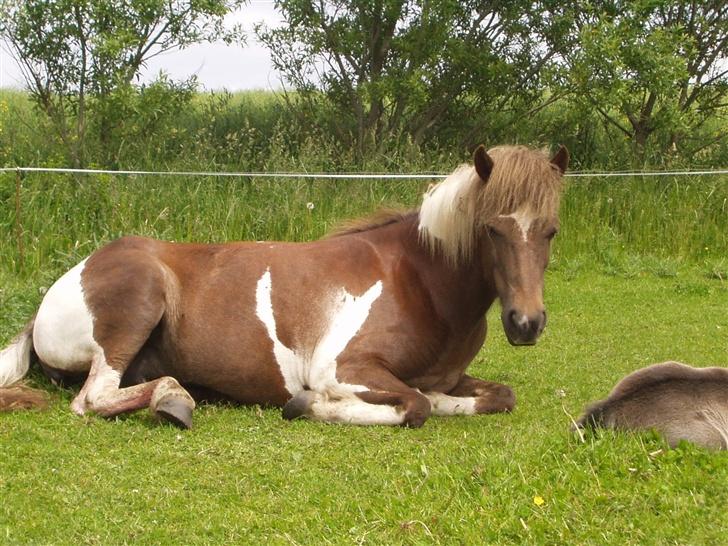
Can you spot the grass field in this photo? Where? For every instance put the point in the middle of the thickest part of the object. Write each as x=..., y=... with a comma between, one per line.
x=620, y=296
x=243, y=475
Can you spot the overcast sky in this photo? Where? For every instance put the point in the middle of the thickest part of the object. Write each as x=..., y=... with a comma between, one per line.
x=217, y=66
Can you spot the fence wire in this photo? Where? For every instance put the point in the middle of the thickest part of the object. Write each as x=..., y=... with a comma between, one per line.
x=340, y=176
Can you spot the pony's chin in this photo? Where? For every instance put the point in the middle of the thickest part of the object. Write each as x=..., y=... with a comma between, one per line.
x=521, y=343
x=517, y=341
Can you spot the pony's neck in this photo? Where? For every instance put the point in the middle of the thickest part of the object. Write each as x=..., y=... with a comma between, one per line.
x=465, y=289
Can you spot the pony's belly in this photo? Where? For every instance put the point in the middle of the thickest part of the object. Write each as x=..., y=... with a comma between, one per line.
x=63, y=331
x=253, y=381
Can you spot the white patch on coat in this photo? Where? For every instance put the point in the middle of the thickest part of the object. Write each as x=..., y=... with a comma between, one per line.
x=351, y=410
x=105, y=380
x=445, y=405
x=346, y=317
x=15, y=359
x=289, y=363
x=315, y=367
x=524, y=219
x=63, y=332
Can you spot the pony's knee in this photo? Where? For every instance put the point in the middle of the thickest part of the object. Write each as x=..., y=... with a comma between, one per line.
x=102, y=382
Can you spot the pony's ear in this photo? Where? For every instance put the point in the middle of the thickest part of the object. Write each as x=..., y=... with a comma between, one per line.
x=561, y=159
x=483, y=163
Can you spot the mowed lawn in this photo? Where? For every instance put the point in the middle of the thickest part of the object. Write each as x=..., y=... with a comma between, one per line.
x=243, y=475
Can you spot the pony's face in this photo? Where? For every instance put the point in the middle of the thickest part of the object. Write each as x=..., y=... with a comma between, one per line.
x=518, y=253
x=515, y=248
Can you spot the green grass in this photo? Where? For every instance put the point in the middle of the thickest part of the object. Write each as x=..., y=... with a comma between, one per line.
x=243, y=475
x=681, y=217
x=624, y=227
x=636, y=280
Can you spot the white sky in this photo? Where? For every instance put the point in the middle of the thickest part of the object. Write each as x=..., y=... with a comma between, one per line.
x=216, y=65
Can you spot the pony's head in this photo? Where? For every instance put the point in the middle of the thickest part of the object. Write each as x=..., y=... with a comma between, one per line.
x=503, y=210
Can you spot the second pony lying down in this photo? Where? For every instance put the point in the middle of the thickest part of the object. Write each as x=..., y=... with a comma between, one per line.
x=679, y=401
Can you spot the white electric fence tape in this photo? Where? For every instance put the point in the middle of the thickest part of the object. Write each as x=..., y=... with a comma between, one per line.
x=342, y=176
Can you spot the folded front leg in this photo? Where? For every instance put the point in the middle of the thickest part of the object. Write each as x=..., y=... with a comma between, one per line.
x=471, y=396
x=361, y=395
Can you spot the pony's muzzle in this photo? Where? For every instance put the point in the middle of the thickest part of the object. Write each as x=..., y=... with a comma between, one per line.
x=523, y=329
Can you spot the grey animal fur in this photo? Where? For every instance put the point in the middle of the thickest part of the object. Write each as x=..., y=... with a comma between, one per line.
x=679, y=401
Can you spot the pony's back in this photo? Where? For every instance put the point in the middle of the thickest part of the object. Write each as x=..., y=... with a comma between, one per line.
x=681, y=402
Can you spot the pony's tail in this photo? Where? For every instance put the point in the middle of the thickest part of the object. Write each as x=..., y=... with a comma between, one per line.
x=14, y=365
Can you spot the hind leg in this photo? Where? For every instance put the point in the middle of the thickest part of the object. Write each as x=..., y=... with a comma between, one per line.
x=101, y=394
x=136, y=286
x=96, y=318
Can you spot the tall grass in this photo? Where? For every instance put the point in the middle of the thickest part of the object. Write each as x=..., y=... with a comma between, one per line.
x=682, y=217
x=62, y=219
x=622, y=224
x=608, y=221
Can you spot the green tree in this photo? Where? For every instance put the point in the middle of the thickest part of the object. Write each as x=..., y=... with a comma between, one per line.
x=79, y=58
x=654, y=70
x=393, y=69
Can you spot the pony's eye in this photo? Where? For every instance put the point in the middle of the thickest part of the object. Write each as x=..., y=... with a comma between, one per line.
x=493, y=232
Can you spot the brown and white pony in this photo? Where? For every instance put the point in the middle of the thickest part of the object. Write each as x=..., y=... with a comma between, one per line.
x=679, y=401
x=374, y=325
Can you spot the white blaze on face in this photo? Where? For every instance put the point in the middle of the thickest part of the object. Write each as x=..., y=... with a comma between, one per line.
x=344, y=319
x=523, y=218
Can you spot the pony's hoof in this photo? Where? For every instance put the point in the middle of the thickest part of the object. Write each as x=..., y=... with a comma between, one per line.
x=176, y=411
x=299, y=405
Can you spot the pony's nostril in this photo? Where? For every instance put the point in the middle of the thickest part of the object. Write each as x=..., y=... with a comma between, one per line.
x=534, y=326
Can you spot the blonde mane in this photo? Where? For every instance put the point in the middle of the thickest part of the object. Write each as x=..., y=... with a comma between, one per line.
x=454, y=210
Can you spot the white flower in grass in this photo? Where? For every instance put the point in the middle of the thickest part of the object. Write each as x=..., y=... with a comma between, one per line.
x=310, y=206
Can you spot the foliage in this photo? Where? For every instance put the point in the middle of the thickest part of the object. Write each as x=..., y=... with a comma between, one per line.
x=79, y=57
x=393, y=70
x=393, y=85
x=651, y=69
